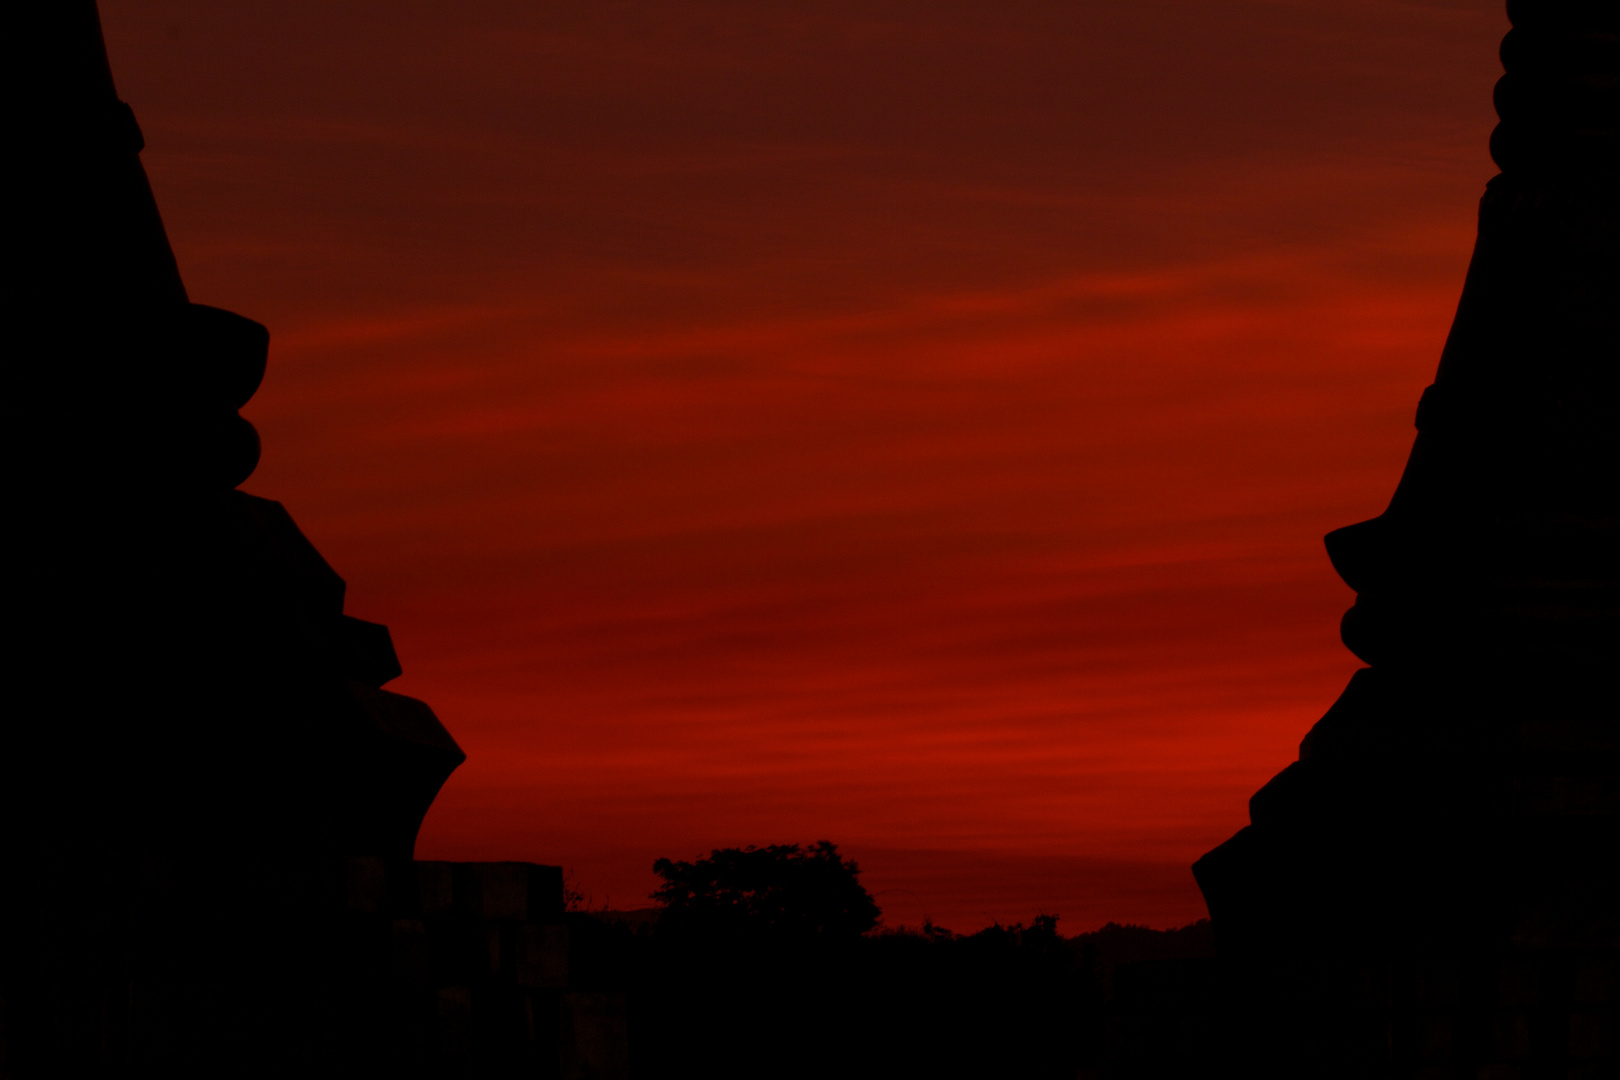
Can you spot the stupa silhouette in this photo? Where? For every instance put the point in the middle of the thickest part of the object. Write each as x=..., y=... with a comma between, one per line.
x=1432, y=888
x=210, y=803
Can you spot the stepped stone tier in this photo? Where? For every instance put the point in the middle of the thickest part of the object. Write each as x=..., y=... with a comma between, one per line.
x=1431, y=889
x=197, y=744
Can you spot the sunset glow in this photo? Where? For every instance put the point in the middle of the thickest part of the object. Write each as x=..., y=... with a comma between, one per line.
x=910, y=425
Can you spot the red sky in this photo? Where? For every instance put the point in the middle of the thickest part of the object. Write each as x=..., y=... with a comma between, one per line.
x=906, y=424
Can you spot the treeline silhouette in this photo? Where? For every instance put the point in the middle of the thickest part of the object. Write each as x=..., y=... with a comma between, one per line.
x=770, y=962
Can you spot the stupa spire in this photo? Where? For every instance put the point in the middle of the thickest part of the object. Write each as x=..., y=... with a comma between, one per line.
x=1432, y=878
x=196, y=735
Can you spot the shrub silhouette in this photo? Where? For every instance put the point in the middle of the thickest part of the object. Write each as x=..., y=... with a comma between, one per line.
x=781, y=890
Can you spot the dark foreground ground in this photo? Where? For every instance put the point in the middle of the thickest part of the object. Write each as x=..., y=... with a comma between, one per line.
x=1018, y=1001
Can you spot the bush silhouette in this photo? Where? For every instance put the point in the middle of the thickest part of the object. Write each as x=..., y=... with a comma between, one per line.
x=781, y=890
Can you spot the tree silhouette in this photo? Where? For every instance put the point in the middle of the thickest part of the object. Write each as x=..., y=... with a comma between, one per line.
x=781, y=890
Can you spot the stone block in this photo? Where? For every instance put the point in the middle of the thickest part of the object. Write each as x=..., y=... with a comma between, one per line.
x=1595, y=981
x=541, y=1012
x=455, y=1023
x=1278, y=802
x=399, y=756
x=1516, y=986
x=394, y=716
x=1433, y=985
x=1177, y=987
x=309, y=578
x=221, y=353
x=1512, y=1031
x=364, y=650
x=366, y=947
x=1584, y=733
x=1350, y=725
x=1591, y=1036
x=509, y=890
x=365, y=884
x=545, y=893
x=595, y=1037
x=410, y=948
x=435, y=886
x=541, y=956
x=1433, y=1037
x=498, y=890
x=459, y=950
x=1567, y=796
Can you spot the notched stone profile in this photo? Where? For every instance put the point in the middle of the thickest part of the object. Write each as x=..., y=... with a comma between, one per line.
x=197, y=740
x=1431, y=886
